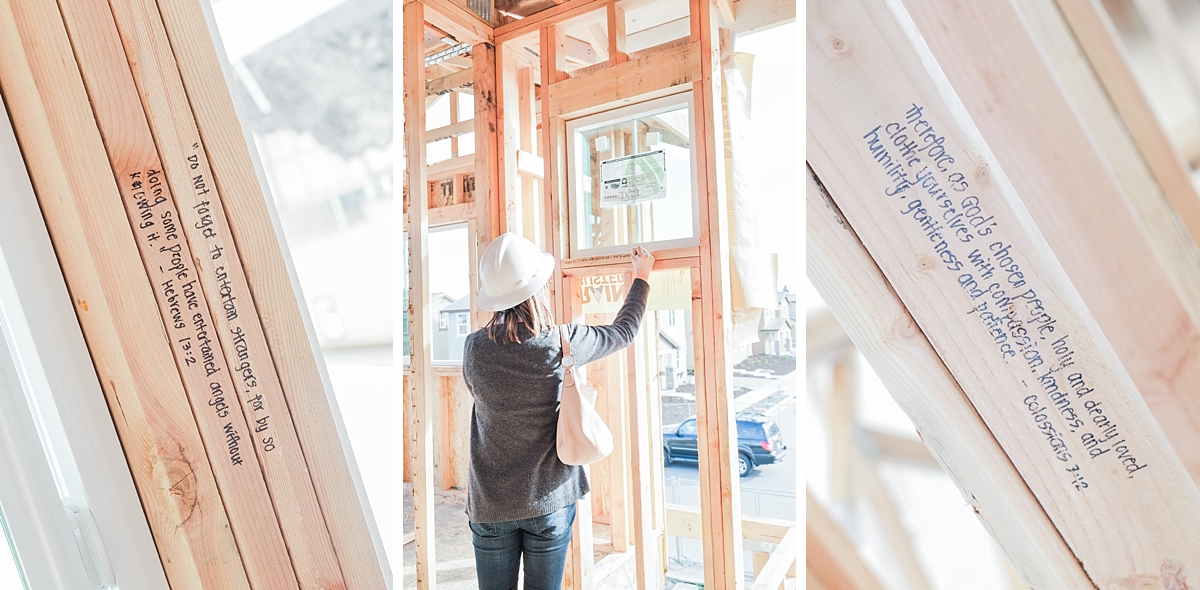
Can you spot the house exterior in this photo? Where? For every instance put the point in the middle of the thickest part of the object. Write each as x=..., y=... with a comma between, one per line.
x=777, y=328
x=451, y=327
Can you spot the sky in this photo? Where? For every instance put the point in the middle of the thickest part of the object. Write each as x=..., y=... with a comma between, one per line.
x=775, y=107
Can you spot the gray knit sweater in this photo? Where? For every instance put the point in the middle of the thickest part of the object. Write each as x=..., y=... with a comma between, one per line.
x=515, y=471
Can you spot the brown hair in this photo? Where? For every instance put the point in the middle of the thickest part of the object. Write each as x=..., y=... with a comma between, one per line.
x=533, y=315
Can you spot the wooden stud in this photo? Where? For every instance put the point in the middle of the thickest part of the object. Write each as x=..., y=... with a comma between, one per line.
x=639, y=464
x=256, y=232
x=113, y=299
x=843, y=407
x=486, y=183
x=888, y=518
x=616, y=34
x=453, y=120
x=720, y=498
x=455, y=431
x=553, y=45
x=420, y=378
x=580, y=574
x=1098, y=38
x=1139, y=311
x=858, y=293
x=776, y=568
x=1144, y=472
x=509, y=201
x=530, y=167
x=831, y=558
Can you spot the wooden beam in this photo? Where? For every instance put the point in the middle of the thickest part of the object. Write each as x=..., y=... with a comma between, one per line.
x=824, y=337
x=640, y=442
x=262, y=421
x=684, y=521
x=1081, y=208
x=853, y=286
x=1173, y=245
x=451, y=167
x=843, y=418
x=659, y=73
x=487, y=169
x=759, y=15
x=113, y=298
x=784, y=557
x=617, y=45
x=419, y=328
x=1010, y=397
x=530, y=164
x=508, y=201
x=897, y=537
x=450, y=82
x=553, y=43
x=1098, y=38
x=720, y=497
x=464, y=25
x=830, y=556
x=901, y=449
x=256, y=231
x=1166, y=35
x=451, y=130
x=507, y=32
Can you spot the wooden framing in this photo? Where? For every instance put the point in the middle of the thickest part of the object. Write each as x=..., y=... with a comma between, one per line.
x=1137, y=311
x=1168, y=236
x=1055, y=468
x=79, y=199
x=1098, y=38
x=420, y=378
x=831, y=560
x=273, y=285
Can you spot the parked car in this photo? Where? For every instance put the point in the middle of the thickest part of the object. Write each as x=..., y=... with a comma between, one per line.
x=759, y=443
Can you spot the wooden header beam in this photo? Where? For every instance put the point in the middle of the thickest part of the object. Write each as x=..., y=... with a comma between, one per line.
x=1092, y=476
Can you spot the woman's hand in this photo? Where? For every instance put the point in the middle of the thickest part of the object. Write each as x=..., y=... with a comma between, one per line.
x=643, y=263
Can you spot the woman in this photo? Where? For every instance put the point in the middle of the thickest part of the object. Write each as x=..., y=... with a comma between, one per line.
x=520, y=497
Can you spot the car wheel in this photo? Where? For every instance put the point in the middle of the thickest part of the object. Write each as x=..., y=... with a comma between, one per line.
x=744, y=465
x=667, y=460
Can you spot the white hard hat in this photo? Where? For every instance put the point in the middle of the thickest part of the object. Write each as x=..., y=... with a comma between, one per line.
x=511, y=270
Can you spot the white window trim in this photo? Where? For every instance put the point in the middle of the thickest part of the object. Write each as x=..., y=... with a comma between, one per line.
x=579, y=223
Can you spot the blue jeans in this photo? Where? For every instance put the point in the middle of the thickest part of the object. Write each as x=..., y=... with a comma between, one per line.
x=541, y=541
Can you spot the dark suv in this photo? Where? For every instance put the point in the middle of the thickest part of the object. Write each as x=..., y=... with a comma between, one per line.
x=759, y=442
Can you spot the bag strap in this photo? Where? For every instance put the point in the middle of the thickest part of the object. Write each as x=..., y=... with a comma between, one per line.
x=568, y=359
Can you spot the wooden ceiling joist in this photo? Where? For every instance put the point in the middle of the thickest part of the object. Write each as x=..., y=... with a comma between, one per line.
x=1026, y=351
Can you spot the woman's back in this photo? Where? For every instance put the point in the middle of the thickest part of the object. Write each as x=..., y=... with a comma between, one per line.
x=515, y=471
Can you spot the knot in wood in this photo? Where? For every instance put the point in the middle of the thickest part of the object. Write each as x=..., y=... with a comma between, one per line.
x=983, y=174
x=839, y=46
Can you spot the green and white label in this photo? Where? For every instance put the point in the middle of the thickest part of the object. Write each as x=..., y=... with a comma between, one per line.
x=633, y=179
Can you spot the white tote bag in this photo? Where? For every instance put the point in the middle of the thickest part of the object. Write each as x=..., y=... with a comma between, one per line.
x=583, y=437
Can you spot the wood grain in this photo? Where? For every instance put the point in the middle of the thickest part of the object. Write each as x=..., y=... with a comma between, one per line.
x=274, y=289
x=1081, y=208
x=1089, y=485
x=113, y=298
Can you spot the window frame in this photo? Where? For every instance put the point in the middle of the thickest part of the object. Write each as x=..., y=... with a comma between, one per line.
x=577, y=223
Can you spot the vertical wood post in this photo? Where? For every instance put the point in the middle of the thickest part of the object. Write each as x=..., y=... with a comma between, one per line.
x=420, y=378
x=720, y=498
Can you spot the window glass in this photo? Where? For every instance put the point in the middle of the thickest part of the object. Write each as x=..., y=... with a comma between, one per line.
x=449, y=285
x=632, y=180
x=748, y=430
x=688, y=428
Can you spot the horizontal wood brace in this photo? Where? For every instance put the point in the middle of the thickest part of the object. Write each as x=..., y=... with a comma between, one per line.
x=448, y=168
x=528, y=163
x=684, y=521
x=450, y=82
x=451, y=130
x=650, y=74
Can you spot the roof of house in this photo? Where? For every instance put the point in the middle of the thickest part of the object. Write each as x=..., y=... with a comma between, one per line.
x=669, y=340
x=461, y=304
x=775, y=324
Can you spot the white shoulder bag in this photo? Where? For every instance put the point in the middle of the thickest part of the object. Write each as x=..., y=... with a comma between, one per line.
x=582, y=436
